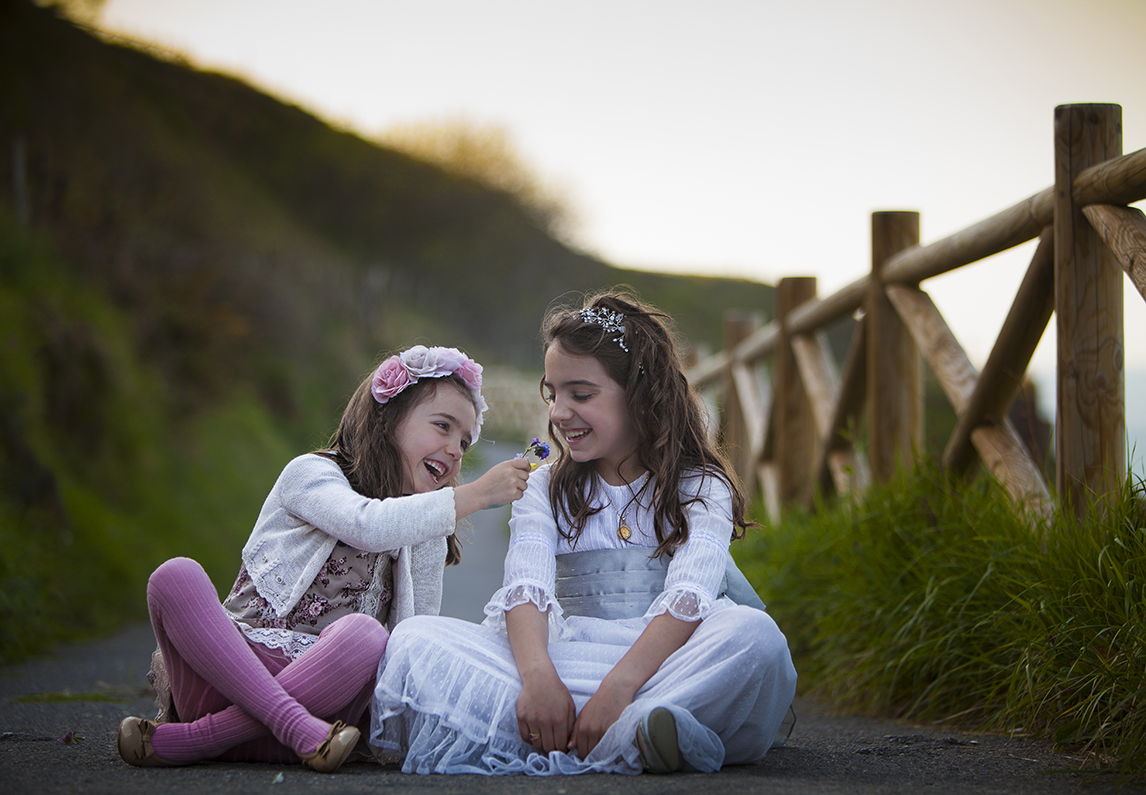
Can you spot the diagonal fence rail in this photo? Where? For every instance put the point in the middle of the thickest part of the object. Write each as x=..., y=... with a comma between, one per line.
x=800, y=434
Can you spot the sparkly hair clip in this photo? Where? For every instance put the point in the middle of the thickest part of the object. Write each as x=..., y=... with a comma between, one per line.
x=611, y=322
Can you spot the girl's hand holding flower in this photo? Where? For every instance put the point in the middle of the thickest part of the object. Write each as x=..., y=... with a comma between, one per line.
x=501, y=484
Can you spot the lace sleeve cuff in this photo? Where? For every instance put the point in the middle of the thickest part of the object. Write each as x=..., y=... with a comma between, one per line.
x=683, y=603
x=511, y=596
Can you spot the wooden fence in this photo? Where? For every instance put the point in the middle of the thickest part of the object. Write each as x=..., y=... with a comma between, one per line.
x=801, y=436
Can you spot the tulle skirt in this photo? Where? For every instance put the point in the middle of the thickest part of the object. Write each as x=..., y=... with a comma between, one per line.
x=446, y=696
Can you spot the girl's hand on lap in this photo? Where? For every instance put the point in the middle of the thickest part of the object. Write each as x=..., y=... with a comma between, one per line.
x=597, y=716
x=500, y=484
x=545, y=713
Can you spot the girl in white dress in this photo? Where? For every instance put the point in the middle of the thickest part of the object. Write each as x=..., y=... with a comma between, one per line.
x=623, y=638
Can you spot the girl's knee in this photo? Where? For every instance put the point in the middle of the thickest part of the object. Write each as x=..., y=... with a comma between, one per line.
x=175, y=575
x=428, y=632
x=363, y=628
x=767, y=645
x=755, y=630
x=415, y=627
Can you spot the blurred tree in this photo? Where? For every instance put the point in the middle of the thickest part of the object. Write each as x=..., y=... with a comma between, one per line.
x=488, y=154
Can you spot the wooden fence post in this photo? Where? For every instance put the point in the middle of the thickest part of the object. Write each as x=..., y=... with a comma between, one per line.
x=736, y=429
x=1090, y=423
x=894, y=364
x=795, y=433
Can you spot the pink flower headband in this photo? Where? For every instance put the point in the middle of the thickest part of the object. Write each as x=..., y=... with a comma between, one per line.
x=405, y=368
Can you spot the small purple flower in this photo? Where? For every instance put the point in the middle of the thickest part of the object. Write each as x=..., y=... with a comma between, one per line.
x=539, y=447
x=536, y=447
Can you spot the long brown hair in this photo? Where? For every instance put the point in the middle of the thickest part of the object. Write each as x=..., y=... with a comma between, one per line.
x=365, y=446
x=663, y=407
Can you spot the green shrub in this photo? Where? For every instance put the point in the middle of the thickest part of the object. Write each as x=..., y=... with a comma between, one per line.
x=932, y=600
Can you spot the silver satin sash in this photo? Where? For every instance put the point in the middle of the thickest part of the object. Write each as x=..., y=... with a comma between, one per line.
x=622, y=583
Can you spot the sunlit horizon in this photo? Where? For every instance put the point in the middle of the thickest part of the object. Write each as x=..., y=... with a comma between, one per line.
x=744, y=139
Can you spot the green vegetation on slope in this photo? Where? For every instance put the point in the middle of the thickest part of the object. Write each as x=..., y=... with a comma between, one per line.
x=193, y=277
x=185, y=180
x=102, y=475
x=931, y=600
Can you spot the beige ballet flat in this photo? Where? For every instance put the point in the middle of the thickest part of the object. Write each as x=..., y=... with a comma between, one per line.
x=332, y=751
x=134, y=744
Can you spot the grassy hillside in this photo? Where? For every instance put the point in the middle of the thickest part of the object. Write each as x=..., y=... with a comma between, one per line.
x=193, y=276
x=105, y=472
x=160, y=168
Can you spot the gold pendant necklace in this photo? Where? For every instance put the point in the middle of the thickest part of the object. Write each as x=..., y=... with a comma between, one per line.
x=624, y=532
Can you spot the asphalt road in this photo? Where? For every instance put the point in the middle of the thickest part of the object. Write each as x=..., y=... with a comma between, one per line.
x=84, y=691
x=58, y=720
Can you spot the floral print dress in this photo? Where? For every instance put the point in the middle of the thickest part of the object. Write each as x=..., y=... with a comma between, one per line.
x=351, y=581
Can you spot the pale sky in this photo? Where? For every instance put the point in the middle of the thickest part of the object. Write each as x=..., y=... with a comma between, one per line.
x=723, y=137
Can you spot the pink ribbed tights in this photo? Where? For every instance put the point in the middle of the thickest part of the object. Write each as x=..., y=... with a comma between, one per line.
x=241, y=700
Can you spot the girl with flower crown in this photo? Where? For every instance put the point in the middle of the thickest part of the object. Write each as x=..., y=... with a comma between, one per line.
x=624, y=638
x=351, y=539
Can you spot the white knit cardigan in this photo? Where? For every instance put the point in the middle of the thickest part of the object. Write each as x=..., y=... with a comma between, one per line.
x=312, y=505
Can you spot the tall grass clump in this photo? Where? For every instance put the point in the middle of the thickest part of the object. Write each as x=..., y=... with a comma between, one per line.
x=933, y=599
x=1082, y=674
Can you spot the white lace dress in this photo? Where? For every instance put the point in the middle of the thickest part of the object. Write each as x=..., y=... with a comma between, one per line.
x=446, y=696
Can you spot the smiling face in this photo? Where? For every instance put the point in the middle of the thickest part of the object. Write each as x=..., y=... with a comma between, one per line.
x=433, y=436
x=589, y=412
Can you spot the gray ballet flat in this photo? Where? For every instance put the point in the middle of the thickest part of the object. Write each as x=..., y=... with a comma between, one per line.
x=657, y=742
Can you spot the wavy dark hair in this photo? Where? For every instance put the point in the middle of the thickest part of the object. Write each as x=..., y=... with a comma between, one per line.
x=663, y=407
x=365, y=446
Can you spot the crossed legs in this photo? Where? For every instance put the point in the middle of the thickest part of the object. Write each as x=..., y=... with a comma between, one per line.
x=240, y=700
